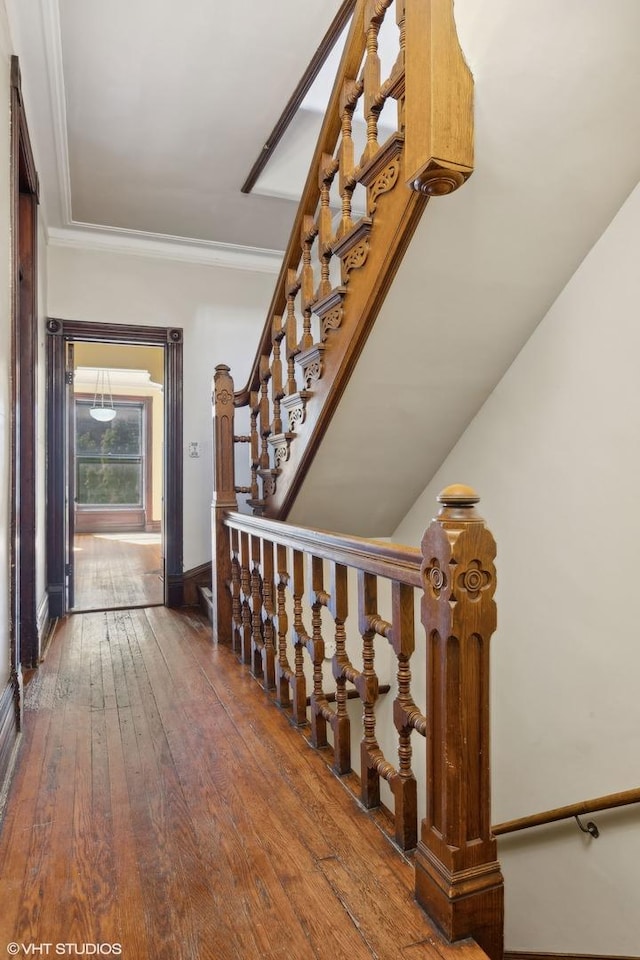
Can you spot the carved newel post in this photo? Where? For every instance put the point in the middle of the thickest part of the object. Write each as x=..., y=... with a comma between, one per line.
x=458, y=878
x=224, y=498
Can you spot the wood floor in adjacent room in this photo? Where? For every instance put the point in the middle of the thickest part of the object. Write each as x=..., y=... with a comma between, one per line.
x=161, y=803
x=117, y=570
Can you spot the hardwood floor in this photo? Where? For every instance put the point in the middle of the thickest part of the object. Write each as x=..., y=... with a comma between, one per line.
x=161, y=803
x=117, y=570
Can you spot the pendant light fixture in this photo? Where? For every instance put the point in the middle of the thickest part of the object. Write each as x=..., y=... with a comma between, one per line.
x=100, y=410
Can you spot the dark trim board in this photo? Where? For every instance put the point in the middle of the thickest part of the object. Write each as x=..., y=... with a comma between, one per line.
x=24, y=189
x=59, y=333
x=9, y=730
x=300, y=92
x=192, y=581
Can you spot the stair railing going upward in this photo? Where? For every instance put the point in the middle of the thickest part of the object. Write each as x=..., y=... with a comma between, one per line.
x=397, y=131
x=281, y=600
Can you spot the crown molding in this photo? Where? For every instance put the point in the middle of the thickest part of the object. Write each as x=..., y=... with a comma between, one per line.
x=80, y=235
x=50, y=13
x=139, y=243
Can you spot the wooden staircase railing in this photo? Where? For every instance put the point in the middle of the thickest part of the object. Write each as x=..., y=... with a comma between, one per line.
x=282, y=598
x=359, y=209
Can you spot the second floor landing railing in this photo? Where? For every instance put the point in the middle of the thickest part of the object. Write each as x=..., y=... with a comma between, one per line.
x=319, y=617
x=398, y=129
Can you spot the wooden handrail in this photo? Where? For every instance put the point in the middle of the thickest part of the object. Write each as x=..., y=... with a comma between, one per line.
x=609, y=802
x=379, y=559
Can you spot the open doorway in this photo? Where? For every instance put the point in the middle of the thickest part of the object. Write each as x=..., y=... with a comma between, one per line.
x=117, y=439
x=82, y=491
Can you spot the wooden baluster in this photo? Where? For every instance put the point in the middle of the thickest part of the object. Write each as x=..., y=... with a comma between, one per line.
x=375, y=12
x=367, y=686
x=236, y=604
x=339, y=606
x=398, y=86
x=283, y=668
x=255, y=447
x=277, y=390
x=348, y=100
x=224, y=498
x=291, y=332
x=317, y=597
x=245, y=599
x=404, y=783
x=307, y=236
x=255, y=605
x=328, y=168
x=268, y=616
x=401, y=20
x=299, y=682
x=458, y=878
x=265, y=418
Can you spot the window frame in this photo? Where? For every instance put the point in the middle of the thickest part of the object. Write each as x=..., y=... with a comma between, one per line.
x=96, y=518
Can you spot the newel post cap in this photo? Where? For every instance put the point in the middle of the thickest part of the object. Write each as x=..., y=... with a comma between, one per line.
x=458, y=503
x=458, y=495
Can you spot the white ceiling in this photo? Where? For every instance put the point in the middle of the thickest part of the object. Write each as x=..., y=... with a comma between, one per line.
x=147, y=116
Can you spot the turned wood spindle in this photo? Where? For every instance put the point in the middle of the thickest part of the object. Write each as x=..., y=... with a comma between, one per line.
x=367, y=686
x=348, y=100
x=299, y=682
x=283, y=668
x=277, y=387
x=316, y=597
x=339, y=607
x=291, y=326
x=328, y=168
x=375, y=12
x=265, y=412
x=244, y=654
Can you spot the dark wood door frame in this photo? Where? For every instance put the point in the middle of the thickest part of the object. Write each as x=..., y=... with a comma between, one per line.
x=24, y=362
x=60, y=332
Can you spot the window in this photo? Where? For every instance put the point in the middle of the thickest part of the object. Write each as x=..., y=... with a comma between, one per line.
x=110, y=467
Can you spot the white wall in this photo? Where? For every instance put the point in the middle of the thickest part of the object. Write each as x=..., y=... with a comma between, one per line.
x=221, y=311
x=5, y=339
x=555, y=455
